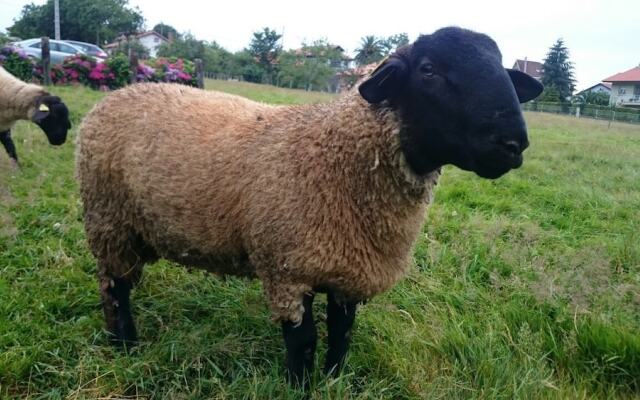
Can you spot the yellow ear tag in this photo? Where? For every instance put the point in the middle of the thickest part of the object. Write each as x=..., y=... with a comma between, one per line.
x=43, y=107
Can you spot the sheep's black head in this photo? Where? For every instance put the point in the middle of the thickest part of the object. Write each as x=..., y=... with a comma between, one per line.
x=458, y=104
x=52, y=116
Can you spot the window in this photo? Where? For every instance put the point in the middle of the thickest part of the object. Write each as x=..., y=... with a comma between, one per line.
x=622, y=91
x=66, y=49
x=636, y=90
x=36, y=45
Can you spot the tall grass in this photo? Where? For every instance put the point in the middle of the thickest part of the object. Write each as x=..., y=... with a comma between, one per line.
x=523, y=287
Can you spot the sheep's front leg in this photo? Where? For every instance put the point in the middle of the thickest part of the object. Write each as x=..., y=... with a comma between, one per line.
x=300, y=339
x=340, y=318
x=7, y=142
x=117, y=312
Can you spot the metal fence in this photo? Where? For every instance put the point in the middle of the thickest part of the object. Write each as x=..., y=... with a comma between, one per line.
x=586, y=111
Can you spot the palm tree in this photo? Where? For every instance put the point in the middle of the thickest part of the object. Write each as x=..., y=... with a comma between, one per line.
x=371, y=50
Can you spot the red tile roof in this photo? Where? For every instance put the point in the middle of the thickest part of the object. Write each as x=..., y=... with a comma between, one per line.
x=534, y=68
x=632, y=75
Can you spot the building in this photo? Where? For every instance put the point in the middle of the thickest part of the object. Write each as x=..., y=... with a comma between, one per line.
x=150, y=40
x=601, y=87
x=532, y=68
x=625, y=88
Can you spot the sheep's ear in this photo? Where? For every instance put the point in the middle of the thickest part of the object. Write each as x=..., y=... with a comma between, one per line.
x=42, y=112
x=527, y=88
x=385, y=81
x=44, y=106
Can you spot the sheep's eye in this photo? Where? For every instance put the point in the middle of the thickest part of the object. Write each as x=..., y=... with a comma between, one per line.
x=427, y=70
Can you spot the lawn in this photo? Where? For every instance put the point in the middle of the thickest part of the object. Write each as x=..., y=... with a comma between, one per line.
x=523, y=287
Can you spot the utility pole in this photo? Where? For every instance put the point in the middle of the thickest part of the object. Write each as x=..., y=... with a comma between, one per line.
x=56, y=18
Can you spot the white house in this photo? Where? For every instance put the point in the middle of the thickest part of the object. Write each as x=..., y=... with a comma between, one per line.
x=625, y=89
x=150, y=40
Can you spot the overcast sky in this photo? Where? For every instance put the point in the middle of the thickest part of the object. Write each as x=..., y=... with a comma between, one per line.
x=603, y=37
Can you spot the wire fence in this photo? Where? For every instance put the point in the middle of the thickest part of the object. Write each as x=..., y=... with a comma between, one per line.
x=586, y=111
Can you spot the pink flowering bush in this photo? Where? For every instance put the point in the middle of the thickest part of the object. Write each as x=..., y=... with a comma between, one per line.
x=114, y=73
x=167, y=70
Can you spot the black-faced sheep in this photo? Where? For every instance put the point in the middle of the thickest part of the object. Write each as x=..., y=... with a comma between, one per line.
x=19, y=100
x=315, y=198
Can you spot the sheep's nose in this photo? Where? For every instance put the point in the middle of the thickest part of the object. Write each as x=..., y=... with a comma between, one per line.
x=514, y=147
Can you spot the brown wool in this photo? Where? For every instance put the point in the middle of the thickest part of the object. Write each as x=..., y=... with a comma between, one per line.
x=301, y=197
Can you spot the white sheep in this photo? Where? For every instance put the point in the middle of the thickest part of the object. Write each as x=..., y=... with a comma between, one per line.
x=20, y=100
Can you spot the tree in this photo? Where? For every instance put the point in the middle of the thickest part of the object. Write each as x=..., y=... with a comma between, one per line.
x=595, y=98
x=84, y=20
x=246, y=67
x=136, y=47
x=310, y=67
x=371, y=50
x=394, y=42
x=185, y=46
x=558, y=71
x=4, y=39
x=265, y=49
x=166, y=30
x=218, y=60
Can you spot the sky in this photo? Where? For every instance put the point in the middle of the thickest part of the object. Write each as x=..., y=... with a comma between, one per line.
x=603, y=37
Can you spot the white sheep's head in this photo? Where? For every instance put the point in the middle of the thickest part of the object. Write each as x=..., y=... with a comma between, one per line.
x=458, y=104
x=52, y=116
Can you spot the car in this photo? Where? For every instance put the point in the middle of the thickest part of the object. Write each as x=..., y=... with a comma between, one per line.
x=90, y=49
x=58, y=49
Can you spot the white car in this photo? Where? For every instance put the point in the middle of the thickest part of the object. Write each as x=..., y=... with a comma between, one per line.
x=89, y=49
x=58, y=49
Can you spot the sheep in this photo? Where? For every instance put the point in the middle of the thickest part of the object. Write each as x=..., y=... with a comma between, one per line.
x=19, y=100
x=325, y=198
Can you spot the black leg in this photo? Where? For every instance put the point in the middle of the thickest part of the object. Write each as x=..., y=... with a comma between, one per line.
x=117, y=311
x=340, y=318
x=9, y=146
x=301, y=345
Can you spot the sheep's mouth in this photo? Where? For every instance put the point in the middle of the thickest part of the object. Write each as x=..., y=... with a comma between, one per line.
x=497, y=165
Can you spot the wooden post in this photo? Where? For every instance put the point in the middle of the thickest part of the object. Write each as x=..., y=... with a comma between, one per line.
x=133, y=63
x=46, y=59
x=613, y=118
x=200, y=73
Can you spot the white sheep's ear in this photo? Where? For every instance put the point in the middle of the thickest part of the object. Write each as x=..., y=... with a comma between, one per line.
x=527, y=87
x=386, y=81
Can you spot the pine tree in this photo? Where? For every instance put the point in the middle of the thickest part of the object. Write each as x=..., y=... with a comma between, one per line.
x=558, y=71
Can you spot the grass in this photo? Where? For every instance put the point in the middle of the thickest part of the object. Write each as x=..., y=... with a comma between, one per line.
x=524, y=287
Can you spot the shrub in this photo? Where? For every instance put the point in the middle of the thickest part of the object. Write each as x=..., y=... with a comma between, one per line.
x=119, y=66
x=170, y=70
x=17, y=63
x=114, y=73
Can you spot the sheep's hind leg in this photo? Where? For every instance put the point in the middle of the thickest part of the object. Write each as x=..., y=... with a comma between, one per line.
x=117, y=311
x=340, y=318
x=300, y=340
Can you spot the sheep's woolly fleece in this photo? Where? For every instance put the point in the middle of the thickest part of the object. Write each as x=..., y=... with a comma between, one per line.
x=17, y=99
x=301, y=197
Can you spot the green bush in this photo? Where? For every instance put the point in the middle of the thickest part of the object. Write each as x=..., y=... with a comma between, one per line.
x=17, y=63
x=119, y=66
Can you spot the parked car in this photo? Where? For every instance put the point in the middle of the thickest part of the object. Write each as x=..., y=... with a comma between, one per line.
x=90, y=49
x=57, y=48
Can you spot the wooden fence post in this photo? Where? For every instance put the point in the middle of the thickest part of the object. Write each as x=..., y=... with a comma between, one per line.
x=46, y=59
x=133, y=63
x=200, y=73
